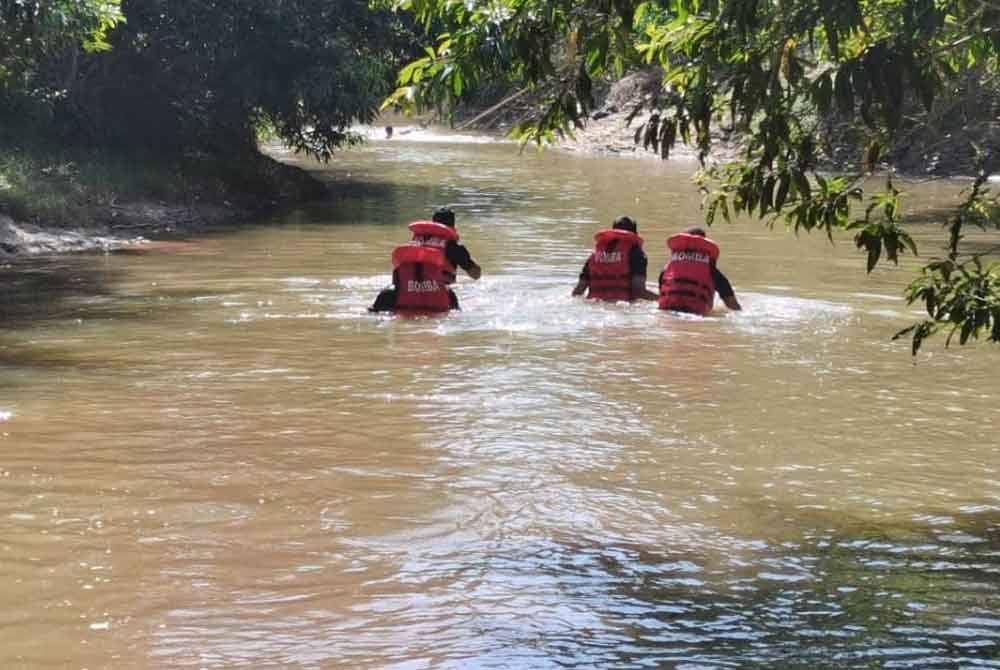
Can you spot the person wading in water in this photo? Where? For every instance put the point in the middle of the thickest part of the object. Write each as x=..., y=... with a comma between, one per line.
x=690, y=279
x=424, y=269
x=616, y=269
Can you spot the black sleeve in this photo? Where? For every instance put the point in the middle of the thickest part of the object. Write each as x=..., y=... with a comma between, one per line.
x=638, y=264
x=458, y=256
x=585, y=272
x=722, y=285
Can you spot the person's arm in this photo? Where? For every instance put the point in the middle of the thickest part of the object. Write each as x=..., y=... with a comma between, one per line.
x=459, y=256
x=725, y=290
x=638, y=264
x=584, y=282
x=639, y=290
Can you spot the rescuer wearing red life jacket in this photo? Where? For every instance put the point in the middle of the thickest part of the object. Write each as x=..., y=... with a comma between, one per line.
x=690, y=279
x=616, y=269
x=424, y=269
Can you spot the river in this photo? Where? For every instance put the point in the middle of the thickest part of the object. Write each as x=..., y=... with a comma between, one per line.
x=214, y=458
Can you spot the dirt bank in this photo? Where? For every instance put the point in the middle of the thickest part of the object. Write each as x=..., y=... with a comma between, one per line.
x=96, y=214
x=607, y=131
x=944, y=142
x=125, y=225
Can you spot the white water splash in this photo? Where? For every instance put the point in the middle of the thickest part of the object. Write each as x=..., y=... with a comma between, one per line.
x=524, y=303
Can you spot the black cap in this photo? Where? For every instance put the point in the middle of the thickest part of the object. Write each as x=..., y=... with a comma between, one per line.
x=625, y=223
x=700, y=232
x=444, y=215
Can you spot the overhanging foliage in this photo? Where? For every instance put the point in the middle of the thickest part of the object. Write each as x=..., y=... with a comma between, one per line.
x=775, y=72
x=198, y=77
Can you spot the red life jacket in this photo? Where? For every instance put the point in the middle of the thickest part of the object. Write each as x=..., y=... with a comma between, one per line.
x=435, y=235
x=610, y=276
x=686, y=284
x=421, y=276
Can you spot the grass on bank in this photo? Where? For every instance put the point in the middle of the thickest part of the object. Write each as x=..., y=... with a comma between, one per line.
x=60, y=185
x=41, y=181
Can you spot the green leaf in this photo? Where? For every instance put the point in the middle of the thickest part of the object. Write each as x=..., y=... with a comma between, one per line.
x=891, y=242
x=907, y=240
x=407, y=73
x=968, y=328
x=784, y=183
x=802, y=184
x=767, y=196
x=874, y=252
x=872, y=155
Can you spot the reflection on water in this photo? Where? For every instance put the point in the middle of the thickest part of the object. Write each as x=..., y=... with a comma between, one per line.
x=214, y=458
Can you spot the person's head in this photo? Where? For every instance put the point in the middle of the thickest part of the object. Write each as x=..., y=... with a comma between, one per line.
x=625, y=223
x=700, y=232
x=444, y=215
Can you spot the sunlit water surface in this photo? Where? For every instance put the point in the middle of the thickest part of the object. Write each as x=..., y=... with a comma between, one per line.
x=214, y=458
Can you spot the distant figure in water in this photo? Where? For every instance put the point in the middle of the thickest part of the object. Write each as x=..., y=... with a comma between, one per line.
x=423, y=270
x=690, y=279
x=388, y=132
x=616, y=269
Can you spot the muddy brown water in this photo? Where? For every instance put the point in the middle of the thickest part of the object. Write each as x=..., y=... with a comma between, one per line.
x=213, y=458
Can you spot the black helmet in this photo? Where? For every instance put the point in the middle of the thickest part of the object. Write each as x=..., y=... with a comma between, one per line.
x=625, y=223
x=444, y=215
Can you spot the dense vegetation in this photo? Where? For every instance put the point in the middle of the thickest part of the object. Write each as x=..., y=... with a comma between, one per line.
x=775, y=72
x=180, y=89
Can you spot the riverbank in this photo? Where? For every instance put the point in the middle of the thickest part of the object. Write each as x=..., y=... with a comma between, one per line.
x=608, y=130
x=57, y=199
x=946, y=142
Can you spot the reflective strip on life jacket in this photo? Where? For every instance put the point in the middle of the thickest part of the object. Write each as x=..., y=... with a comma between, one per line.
x=421, y=277
x=686, y=284
x=608, y=265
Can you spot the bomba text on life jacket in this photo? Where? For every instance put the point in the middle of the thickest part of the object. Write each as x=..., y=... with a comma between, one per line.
x=437, y=242
x=425, y=286
x=690, y=256
x=608, y=257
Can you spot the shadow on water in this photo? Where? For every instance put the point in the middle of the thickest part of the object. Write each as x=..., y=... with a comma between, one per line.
x=54, y=292
x=40, y=290
x=357, y=200
x=351, y=203
x=380, y=192
x=903, y=596
x=360, y=201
